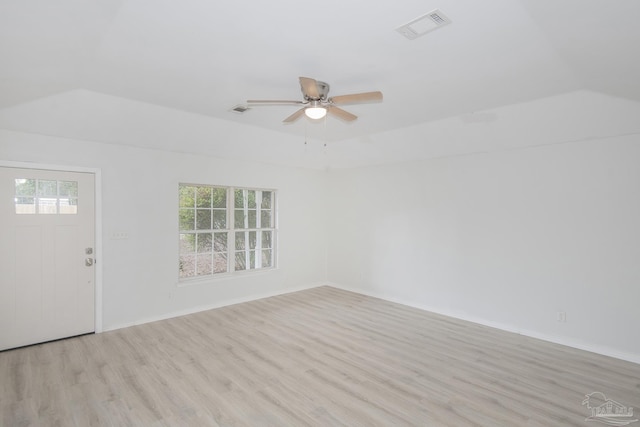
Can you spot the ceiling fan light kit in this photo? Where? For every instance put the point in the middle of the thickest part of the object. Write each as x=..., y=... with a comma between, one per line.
x=317, y=104
x=315, y=113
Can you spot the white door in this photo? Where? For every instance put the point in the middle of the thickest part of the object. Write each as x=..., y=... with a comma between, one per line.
x=47, y=285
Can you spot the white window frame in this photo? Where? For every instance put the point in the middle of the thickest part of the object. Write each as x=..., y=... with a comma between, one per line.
x=231, y=231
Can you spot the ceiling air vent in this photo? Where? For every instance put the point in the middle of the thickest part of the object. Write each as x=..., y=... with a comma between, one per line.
x=424, y=24
x=239, y=109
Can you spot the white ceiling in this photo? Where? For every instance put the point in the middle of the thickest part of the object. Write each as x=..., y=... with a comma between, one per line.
x=204, y=57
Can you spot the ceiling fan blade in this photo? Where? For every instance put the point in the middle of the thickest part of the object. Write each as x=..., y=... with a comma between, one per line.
x=273, y=102
x=309, y=87
x=341, y=114
x=295, y=116
x=357, y=98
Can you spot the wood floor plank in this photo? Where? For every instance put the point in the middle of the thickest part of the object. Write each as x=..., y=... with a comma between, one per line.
x=320, y=357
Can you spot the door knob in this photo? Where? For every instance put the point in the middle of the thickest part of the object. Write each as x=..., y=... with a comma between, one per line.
x=88, y=262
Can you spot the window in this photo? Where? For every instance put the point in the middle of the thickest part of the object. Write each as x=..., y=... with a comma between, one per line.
x=40, y=196
x=224, y=230
x=253, y=229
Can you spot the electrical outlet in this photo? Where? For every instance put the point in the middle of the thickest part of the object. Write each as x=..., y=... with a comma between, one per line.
x=562, y=316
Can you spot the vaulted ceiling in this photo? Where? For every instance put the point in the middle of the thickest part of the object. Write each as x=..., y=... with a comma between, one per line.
x=205, y=57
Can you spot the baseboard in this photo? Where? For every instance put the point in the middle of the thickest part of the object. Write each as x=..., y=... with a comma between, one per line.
x=217, y=304
x=605, y=351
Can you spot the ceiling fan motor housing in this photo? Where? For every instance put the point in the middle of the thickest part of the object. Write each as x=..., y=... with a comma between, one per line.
x=323, y=91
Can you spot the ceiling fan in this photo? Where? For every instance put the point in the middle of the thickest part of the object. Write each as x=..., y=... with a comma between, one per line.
x=316, y=104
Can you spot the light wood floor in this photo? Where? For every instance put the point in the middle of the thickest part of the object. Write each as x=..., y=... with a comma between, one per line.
x=321, y=357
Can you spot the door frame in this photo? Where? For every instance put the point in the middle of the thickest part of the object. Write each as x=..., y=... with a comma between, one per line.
x=97, y=173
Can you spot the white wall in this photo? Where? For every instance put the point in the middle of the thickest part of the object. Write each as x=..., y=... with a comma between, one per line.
x=507, y=238
x=139, y=196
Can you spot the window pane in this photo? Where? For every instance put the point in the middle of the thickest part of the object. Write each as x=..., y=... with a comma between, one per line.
x=203, y=219
x=25, y=187
x=47, y=205
x=204, y=264
x=266, y=258
x=251, y=199
x=205, y=242
x=252, y=240
x=187, y=219
x=68, y=188
x=240, y=261
x=265, y=220
x=252, y=260
x=220, y=263
x=187, y=196
x=219, y=197
x=266, y=239
x=220, y=242
x=25, y=205
x=240, y=241
x=187, y=243
x=203, y=197
x=239, y=198
x=266, y=199
x=238, y=217
x=252, y=219
x=187, y=265
x=47, y=188
x=68, y=206
x=219, y=219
